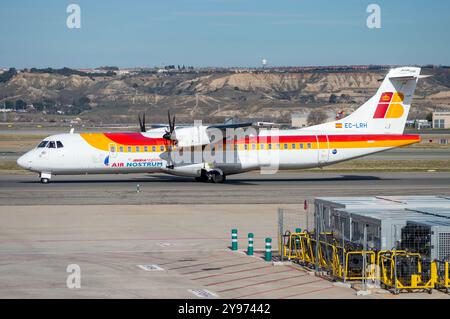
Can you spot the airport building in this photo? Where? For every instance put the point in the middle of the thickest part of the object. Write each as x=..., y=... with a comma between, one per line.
x=415, y=223
x=299, y=120
x=441, y=120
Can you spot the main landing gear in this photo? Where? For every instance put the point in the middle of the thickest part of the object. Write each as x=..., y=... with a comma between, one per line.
x=45, y=177
x=213, y=176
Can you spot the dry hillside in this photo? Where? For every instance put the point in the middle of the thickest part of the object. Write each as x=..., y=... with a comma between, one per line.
x=213, y=97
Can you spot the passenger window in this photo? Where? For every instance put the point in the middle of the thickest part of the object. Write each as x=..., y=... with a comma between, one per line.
x=59, y=144
x=262, y=146
x=145, y=148
x=138, y=149
x=301, y=145
x=51, y=144
x=269, y=146
x=278, y=146
x=112, y=149
x=121, y=149
x=293, y=146
x=161, y=148
x=285, y=146
x=129, y=148
x=309, y=145
x=42, y=144
x=154, y=148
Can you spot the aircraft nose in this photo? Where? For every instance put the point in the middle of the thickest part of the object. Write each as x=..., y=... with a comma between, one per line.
x=24, y=161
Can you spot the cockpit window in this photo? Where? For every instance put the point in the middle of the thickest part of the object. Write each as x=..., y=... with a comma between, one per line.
x=42, y=144
x=51, y=144
x=59, y=144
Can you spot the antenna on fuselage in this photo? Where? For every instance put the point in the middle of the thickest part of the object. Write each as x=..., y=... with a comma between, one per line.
x=72, y=130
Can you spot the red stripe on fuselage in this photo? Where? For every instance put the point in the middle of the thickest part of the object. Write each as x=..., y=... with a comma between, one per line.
x=135, y=139
x=139, y=139
x=331, y=138
x=374, y=137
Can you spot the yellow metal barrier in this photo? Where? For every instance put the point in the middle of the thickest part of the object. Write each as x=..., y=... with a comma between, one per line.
x=402, y=270
x=293, y=246
x=397, y=270
x=301, y=247
x=354, y=263
x=443, y=276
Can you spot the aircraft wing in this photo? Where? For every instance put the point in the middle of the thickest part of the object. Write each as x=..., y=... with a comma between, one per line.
x=234, y=125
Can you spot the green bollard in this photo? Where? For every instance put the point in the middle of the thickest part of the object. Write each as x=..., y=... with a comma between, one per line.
x=297, y=240
x=250, y=244
x=234, y=239
x=268, y=254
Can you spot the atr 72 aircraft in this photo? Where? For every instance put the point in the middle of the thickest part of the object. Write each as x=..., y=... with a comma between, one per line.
x=374, y=127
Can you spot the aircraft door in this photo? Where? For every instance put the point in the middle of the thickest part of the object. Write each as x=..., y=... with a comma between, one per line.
x=323, y=147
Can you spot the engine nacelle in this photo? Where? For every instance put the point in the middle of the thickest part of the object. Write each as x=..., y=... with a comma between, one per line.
x=191, y=136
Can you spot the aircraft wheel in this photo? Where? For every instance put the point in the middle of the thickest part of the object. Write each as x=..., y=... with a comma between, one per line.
x=216, y=177
x=45, y=180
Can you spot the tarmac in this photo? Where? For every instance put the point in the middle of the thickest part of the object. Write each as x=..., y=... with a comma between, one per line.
x=156, y=251
x=171, y=239
x=250, y=188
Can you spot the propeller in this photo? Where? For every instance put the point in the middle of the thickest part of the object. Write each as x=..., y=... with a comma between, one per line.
x=169, y=133
x=142, y=123
x=169, y=136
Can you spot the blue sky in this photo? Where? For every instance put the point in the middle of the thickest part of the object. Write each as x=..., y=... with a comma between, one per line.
x=223, y=33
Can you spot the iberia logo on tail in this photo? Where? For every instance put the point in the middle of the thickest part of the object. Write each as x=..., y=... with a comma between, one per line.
x=390, y=106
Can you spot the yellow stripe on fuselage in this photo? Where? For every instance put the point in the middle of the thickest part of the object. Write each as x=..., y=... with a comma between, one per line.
x=368, y=144
x=97, y=140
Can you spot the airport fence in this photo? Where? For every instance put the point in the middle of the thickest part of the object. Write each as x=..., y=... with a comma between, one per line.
x=404, y=258
x=293, y=220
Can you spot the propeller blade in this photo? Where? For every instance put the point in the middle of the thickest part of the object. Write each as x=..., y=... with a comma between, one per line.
x=140, y=122
x=144, y=129
x=170, y=122
x=173, y=124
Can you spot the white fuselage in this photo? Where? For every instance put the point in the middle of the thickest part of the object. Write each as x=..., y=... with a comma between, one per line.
x=289, y=149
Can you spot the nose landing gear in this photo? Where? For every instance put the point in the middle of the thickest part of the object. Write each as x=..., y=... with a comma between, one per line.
x=45, y=177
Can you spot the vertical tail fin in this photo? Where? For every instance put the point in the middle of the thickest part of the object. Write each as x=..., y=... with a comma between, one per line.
x=386, y=112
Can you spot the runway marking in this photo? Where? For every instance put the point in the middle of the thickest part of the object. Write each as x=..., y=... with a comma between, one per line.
x=275, y=289
x=202, y=293
x=151, y=267
x=248, y=277
x=261, y=283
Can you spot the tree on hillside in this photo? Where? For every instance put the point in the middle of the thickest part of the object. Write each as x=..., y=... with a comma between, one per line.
x=316, y=117
x=6, y=76
x=9, y=104
x=20, y=105
x=84, y=100
x=333, y=98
